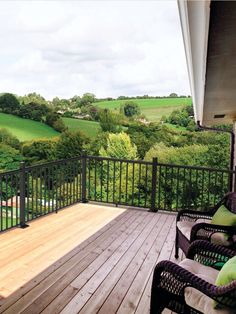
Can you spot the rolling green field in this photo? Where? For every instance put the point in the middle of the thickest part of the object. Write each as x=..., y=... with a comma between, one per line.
x=153, y=109
x=25, y=129
x=89, y=128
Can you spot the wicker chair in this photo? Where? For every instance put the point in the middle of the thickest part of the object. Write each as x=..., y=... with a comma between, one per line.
x=195, y=225
x=178, y=289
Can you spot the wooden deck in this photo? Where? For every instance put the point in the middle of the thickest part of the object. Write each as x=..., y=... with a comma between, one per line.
x=85, y=259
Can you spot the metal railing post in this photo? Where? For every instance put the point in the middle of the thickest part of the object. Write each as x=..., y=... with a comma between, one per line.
x=22, y=196
x=154, y=185
x=83, y=179
x=234, y=178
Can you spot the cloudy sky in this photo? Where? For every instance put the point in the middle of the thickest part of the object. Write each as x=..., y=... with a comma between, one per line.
x=109, y=48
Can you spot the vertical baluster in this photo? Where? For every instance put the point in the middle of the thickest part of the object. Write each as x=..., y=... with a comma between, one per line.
x=159, y=187
x=146, y=185
x=11, y=193
x=45, y=191
x=171, y=189
x=108, y=173
x=202, y=205
x=215, y=188
x=133, y=172
x=114, y=181
x=196, y=185
x=89, y=179
x=52, y=186
x=1, y=203
x=120, y=191
x=126, y=183
x=208, y=189
x=17, y=203
x=36, y=190
x=41, y=191
x=95, y=180
x=177, y=189
x=139, y=184
x=6, y=201
x=56, y=185
x=101, y=180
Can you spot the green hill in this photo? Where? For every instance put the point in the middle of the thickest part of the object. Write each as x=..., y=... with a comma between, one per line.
x=153, y=109
x=25, y=129
x=89, y=128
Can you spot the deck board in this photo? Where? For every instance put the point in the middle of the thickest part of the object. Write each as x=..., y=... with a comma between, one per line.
x=86, y=259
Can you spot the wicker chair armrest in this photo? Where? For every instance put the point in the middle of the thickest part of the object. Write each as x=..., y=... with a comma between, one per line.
x=175, y=279
x=204, y=230
x=192, y=215
x=208, y=253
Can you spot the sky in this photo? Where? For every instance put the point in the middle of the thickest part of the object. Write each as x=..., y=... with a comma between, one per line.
x=109, y=48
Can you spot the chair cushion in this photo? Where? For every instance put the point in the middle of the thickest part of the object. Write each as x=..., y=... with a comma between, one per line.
x=185, y=227
x=219, y=238
x=224, y=217
x=197, y=299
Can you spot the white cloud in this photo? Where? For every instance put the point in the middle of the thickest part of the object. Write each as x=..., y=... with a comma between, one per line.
x=111, y=48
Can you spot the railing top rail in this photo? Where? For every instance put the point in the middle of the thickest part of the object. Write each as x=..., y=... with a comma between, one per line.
x=197, y=168
x=142, y=162
x=11, y=172
x=120, y=160
x=161, y=164
x=55, y=162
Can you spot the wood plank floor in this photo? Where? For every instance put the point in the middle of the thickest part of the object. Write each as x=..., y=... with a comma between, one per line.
x=85, y=259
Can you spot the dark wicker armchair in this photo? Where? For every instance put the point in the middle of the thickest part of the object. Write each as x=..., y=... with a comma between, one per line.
x=178, y=289
x=195, y=225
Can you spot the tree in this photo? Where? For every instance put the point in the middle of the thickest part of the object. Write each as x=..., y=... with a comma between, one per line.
x=9, y=103
x=87, y=99
x=10, y=158
x=109, y=121
x=173, y=95
x=8, y=139
x=33, y=97
x=33, y=111
x=54, y=120
x=70, y=144
x=131, y=109
x=119, y=146
x=39, y=151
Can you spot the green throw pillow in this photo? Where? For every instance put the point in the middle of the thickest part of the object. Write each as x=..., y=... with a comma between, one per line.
x=224, y=217
x=227, y=272
x=226, y=275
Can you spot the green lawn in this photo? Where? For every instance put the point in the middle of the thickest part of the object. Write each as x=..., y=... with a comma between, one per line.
x=25, y=129
x=153, y=109
x=89, y=128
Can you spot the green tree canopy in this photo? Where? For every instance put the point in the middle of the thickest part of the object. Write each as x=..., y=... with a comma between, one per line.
x=109, y=121
x=119, y=146
x=10, y=158
x=70, y=144
x=192, y=155
x=131, y=109
x=39, y=151
x=9, y=103
x=8, y=139
x=87, y=99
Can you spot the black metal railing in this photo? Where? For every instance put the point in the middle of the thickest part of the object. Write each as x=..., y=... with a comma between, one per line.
x=35, y=191
x=154, y=185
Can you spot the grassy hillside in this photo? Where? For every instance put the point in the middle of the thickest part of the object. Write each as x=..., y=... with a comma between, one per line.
x=89, y=128
x=25, y=129
x=153, y=109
